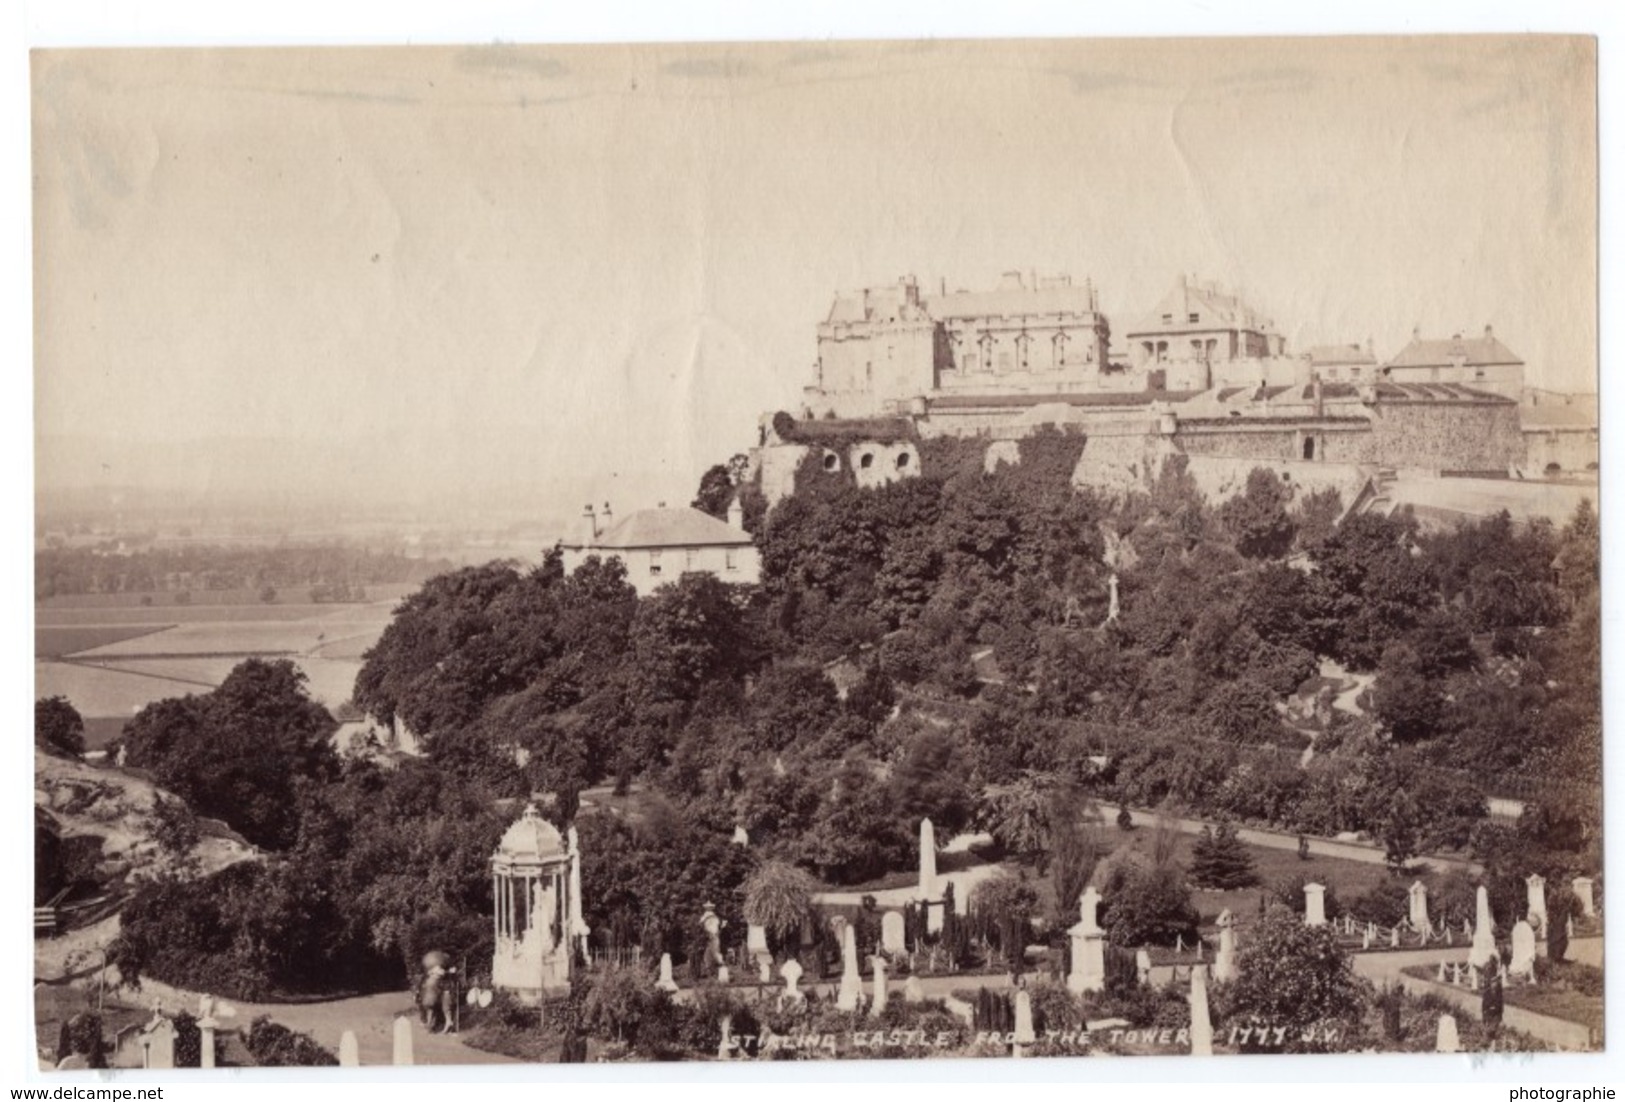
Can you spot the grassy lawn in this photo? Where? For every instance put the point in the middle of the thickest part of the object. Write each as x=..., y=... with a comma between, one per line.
x=57, y=641
x=907, y=878
x=1563, y=993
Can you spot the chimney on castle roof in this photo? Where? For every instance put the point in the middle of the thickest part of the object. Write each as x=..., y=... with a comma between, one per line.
x=589, y=526
x=1489, y=332
x=604, y=517
x=736, y=514
x=1416, y=332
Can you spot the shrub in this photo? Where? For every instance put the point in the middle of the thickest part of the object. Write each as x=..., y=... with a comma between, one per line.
x=277, y=1046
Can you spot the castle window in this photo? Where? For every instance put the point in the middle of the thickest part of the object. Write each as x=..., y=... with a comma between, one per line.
x=1167, y=319
x=1309, y=447
x=831, y=463
x=1195, y=318
x=902, y=461
x=867, y=460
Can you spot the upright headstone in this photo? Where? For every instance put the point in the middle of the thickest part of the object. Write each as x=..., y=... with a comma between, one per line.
x=1483, y=932
x=205, y=1038
x=1523, y=951
x=1201, y=1022
x=1024, y=1034
x=1582, y=892
x=1448, y=1041
x=666, y=982
x=912, y=991
x=1419, y=905
x=1365, y=941
x=1142, y=965
x=893, y=932
x=756, y=940
x=712, y=925
x=1314, y=904
x=764, y=969
x=1444, y=976
x=1536, y=888
x=1088, y=947
x=1224, y=964
x=877, y=1005
x=1393, y=938
x=726, y=1044
x=349, y=1050
x=851, y=978
x=791, y=971
x=402, y=1056
x=741, y=836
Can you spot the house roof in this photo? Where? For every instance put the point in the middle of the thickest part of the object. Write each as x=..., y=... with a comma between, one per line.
x=1214, y=307
x=1472, y=351
x=681, y=527
x=1340, y=354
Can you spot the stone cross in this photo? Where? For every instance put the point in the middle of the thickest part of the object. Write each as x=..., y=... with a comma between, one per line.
x=893, y=933
x=402, y=1056
x=1419, y=905
x=1523, y=951
x=349, y=1050
x=1582, y=892
x=851, y=978
x=1449, y=1041
x=1201, y=1021
x=1314, y=904
x=1484, y=935
x=877, y=1005
x=1224, y=964
x=665, y=982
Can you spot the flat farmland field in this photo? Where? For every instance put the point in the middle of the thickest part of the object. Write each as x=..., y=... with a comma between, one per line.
x=294, y=596
x=53, y=615
x=270, y=637
x=57, y=640
x=108, y=689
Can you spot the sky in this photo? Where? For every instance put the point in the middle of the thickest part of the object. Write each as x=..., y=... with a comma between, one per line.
x=533, y=277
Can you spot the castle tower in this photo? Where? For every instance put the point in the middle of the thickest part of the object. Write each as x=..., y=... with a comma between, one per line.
x=532, y=884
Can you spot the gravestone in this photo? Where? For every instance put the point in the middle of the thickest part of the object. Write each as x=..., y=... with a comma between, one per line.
x=893, y=932
x=1536, y=888
x=1523, y=951
x=712, y=925
x=1419, y=905
x=1393, y=938
x=725, y=1046
x=1314, y=904
x=851, y=978
x=1582, y=892
x=928, y=860
x=1088, y=947
x=1142, y=965
x=1444, y=976
x=1484, y=932
x=1448, y=1041
x=158, y=1043
x=665, y=982
x=912, y=991
x=741, y=836
x=1201, y=1021
x=791, y=971
x=1365, y=942
x=764, y=969
x=349, y=1050
x=402, y=1055
x=756, y=940
x=1024, y=1034
x=1224, y=964
x=877, y=1005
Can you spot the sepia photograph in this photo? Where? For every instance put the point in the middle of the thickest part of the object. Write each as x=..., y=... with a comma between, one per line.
x=741, y=552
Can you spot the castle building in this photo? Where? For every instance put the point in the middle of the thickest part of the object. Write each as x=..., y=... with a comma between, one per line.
x=658, y=546
x=1483, y=363
x=1200, y=336
x=1559, y=431
x=882, y=348
x=1342, y=363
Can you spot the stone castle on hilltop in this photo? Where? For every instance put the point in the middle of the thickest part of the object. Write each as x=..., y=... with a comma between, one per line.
x=1203, y=375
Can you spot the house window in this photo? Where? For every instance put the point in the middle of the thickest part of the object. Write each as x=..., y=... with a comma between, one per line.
x=691, y=559
x=731, y=558
x=654, y=563
x=1194, y=318
x=1167, y=319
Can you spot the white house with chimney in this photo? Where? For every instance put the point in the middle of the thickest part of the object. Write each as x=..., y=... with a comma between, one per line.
x=658, y=546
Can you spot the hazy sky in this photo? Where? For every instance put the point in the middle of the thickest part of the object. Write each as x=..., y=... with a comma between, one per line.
x=547, y=275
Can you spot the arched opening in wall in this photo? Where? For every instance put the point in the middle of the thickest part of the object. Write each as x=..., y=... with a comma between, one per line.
x=1309, y=447
x=1554, y=468
x=831, y=462
x=902, y=461
x=866, y=460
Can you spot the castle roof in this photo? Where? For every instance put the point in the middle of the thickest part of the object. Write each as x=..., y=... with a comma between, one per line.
x=1213, y=308
x=1016, y=301
x=1471, y=351
x=662, y=527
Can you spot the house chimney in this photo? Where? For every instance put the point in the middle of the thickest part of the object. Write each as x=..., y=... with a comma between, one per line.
x=604, y=518
x=589, y=526
x=736, y=514
x=1489, y=332
x=1416, y=332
